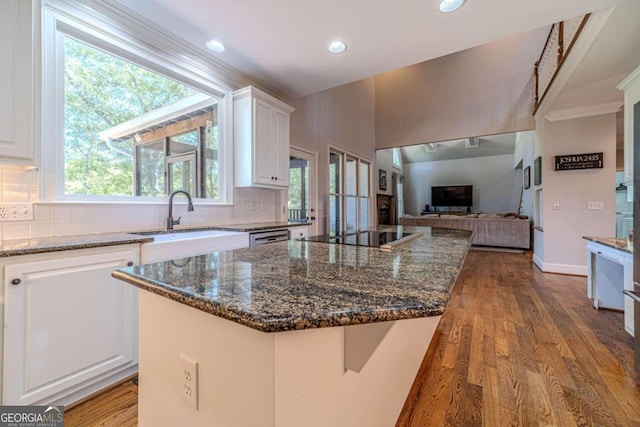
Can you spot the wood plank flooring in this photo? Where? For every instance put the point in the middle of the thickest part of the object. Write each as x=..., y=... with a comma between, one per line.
x=116, y=407
x=516, y=347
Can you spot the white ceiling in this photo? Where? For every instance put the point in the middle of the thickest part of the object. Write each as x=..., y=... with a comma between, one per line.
x=283, y=42
x=492, y=145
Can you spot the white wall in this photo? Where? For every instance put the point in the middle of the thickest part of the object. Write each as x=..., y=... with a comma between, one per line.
x=344, y=117
x=524, y=152
x=496, y=187
x=564, y=248
x=384, y=161
x=485, y=90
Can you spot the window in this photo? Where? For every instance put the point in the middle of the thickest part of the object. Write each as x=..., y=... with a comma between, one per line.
x=349, y=195
x=395, y=153
x=125, y=123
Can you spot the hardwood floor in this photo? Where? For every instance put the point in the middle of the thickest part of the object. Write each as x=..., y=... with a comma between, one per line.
x=516, y=347
x=116, y=407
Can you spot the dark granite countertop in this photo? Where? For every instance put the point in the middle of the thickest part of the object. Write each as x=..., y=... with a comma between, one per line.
x=259, y=226
x=612, y=242
x=297, y=285
x=39, y=245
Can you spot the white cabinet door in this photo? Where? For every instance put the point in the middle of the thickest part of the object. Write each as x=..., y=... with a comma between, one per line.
x=68, y=324
x=261, y=140
x=16, y=82
x=280, y=147
x=298, y=232
x=631, y=88
x=263, y=172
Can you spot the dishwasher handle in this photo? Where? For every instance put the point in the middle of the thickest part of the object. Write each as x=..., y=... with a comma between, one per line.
x=634, y=295
x=617, y=260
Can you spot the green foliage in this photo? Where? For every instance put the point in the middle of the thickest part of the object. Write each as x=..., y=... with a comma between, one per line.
x=102, y=91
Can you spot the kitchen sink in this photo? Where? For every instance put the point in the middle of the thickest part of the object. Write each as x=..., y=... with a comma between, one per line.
x=174, y=244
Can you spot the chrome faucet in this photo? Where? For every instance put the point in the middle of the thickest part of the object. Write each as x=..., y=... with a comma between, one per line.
x=170, y=221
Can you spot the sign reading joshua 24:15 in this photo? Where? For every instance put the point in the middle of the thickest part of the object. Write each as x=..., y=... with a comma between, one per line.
x=579, y=161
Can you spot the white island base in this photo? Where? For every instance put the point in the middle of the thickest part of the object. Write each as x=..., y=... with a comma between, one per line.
x=352, y=376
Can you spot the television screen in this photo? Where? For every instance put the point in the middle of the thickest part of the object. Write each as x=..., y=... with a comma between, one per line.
x=452, y=195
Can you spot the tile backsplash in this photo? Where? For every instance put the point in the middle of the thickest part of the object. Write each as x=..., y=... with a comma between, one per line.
x=60, y=219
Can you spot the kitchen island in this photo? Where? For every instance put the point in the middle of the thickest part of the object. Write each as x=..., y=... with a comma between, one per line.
x=293, y=333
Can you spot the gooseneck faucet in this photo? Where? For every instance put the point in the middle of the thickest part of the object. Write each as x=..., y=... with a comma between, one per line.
x=170, y=221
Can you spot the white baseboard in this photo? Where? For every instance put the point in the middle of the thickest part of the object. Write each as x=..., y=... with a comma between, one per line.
x=576, y=270
x=537, y=261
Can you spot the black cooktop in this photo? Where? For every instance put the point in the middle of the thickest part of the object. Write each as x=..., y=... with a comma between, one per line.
x=372, y=239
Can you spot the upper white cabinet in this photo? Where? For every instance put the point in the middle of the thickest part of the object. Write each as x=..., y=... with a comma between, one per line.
x=631, y=88
x=261, y=136
x=17, y=39
x=70, y=328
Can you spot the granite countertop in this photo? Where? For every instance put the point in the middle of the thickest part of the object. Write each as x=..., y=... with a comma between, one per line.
x=258, y=226
x=15, y=247
x=612, y=242
x=298, y=285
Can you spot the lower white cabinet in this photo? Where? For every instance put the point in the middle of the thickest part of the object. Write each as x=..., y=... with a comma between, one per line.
x=609, y=272
x=70, y=328
x=298, y=232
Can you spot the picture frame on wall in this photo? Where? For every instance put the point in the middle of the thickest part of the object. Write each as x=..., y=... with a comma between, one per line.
x=382, y=180
x=537, y=171
x=527, y=177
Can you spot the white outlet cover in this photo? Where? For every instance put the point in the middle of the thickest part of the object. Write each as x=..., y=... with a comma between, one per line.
x=189, y=380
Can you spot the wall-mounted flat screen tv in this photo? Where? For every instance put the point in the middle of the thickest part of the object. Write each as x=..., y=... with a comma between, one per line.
x=452, y=195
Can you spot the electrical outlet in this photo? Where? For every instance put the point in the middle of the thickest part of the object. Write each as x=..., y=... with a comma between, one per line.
x=16, y=212
x=189, y=380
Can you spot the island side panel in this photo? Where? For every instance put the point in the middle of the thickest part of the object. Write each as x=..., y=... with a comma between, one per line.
x=313, y=388
x=283, y=379
x=235, y=368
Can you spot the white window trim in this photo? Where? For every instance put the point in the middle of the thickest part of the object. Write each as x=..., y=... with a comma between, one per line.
x=331, y=148
x=104, y=27
x=393, y=163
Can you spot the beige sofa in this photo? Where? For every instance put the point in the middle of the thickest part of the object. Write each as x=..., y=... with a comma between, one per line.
x=489, y=229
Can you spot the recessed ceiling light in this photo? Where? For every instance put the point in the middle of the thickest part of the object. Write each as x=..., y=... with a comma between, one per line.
x=215, y=45
x=337, y=46
x=447, y=6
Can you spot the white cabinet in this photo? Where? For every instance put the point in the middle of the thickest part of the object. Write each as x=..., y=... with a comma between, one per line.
x=70, y=328
x=609, y=272
x=261, y=139
x=299, y=232
x=17, y=81
x=631, y=88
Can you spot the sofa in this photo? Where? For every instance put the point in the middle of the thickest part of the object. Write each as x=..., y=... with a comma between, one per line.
x=508, y=230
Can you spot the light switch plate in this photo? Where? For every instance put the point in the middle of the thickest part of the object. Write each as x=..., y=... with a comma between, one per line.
x=595, y=205
x=16, y=212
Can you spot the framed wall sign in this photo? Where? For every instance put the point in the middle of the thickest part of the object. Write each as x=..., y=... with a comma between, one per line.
x=527, y=177
x=579, y=161
x=382, y=180
x=537, y=171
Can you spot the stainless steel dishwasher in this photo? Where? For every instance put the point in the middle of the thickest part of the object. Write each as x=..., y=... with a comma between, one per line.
x=269, y=236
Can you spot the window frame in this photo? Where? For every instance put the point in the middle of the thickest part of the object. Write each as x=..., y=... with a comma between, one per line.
x=343, y=195
x=396, y=155
x=124, y=37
